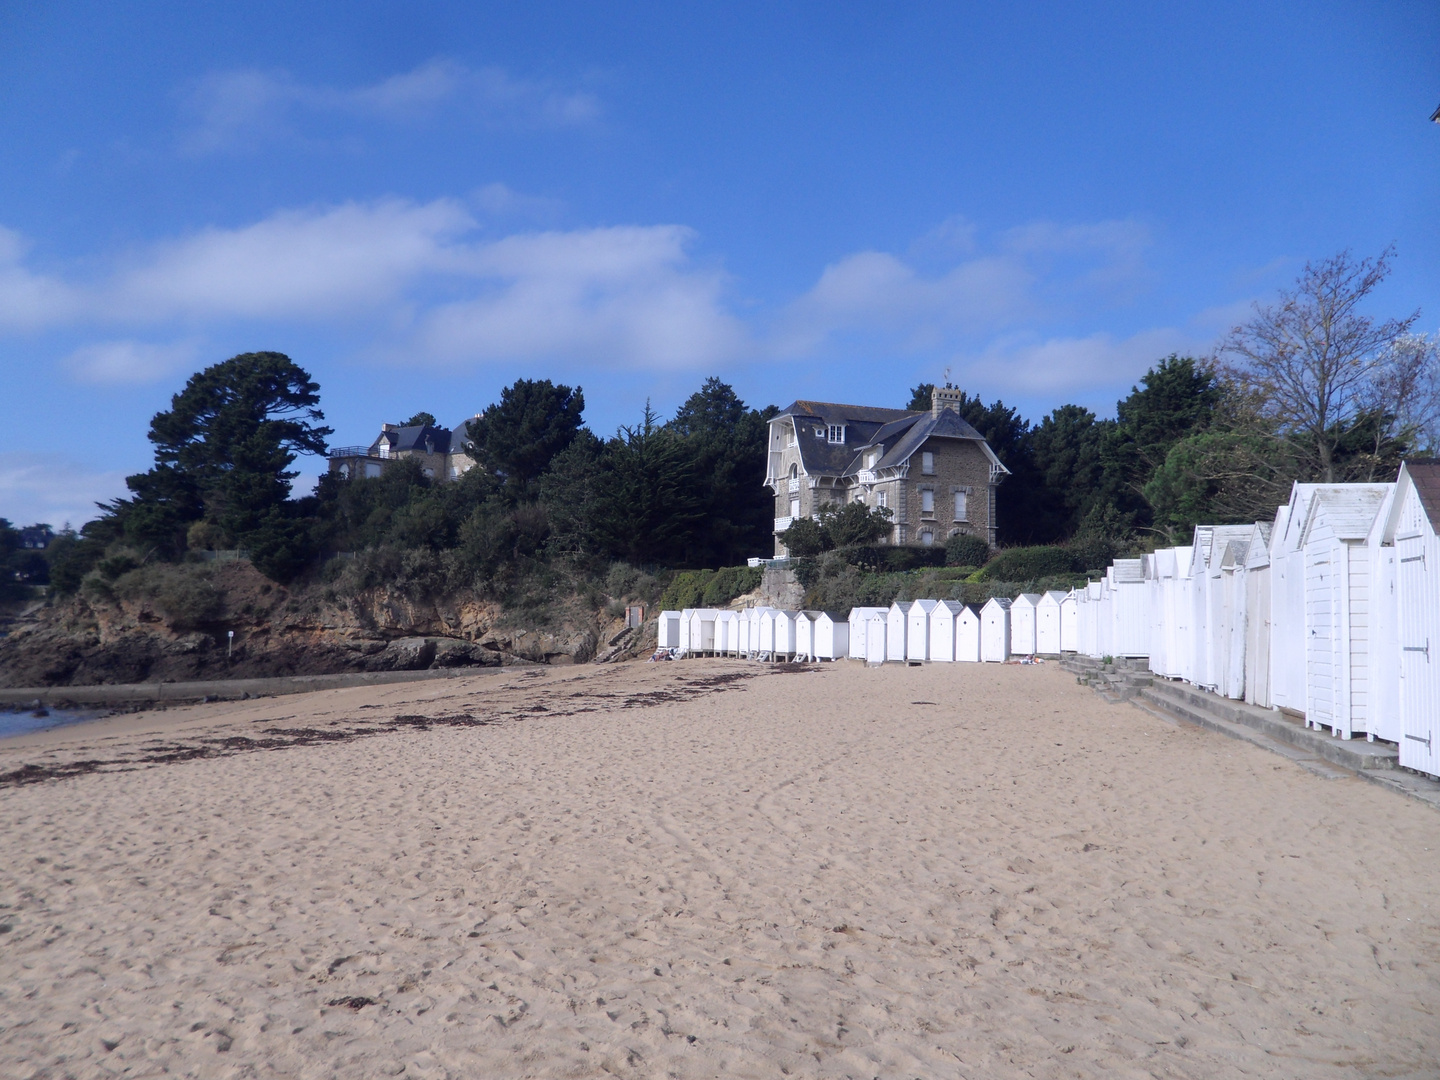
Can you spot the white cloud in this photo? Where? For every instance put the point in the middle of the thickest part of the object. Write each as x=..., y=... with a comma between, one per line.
x=294, y=264
x=1058, y=365
x=111, y=362
x=234, y=110
x=29, y=300
x=627, y=296
x=53, y=489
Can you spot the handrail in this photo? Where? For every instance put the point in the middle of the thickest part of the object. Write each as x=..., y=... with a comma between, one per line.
x=351, y=451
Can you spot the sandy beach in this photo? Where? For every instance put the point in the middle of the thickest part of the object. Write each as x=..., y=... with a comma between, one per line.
x=703, y=869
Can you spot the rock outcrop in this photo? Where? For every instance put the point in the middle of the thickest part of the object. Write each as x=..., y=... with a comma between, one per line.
x=106, y=637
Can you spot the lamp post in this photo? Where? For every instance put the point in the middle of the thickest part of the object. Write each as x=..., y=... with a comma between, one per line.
x=229, y=643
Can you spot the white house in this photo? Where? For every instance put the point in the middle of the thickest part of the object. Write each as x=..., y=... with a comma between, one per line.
x=995, y=630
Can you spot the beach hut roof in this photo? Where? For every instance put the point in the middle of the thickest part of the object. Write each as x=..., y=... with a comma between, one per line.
x=926, y=606
x=1422, y=474
x=1031, y=598
x=1349, y=509
x=997, y=601
x=1127, y=571
x=1257, y=553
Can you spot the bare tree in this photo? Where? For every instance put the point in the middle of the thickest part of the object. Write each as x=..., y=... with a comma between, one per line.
x=1324, y=373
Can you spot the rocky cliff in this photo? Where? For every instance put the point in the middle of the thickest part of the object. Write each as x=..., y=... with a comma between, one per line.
x=179, y=633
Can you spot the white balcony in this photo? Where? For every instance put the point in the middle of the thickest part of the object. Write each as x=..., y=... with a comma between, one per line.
x=866, y=476
x=783, y=523
x=794, y=484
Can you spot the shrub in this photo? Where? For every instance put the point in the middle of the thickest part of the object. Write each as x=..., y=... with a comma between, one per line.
x=709, y=588
x=1029, y=564
x=966, y=550
x=806, y=537
x=885, y=557
x=183, y=594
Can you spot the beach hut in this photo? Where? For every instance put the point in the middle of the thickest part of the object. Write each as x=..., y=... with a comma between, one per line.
x=917, y=629
x=857, y=620
x=942, y=630
x=1160, y=583
x=1416, y=511
x=1257, y=615
x=1047, y=622
x=830, y=638
x=967, y=634
x=667, y=630
x=1022, y=624
x=684, y=645
x=1070, y=622
x=727, y=627
x=743, y=626
x=995, y=630
x=1385, y=719
x=1129, y=609
x=1287, y=606
x=896, y=618
x=784, y=644
x=875, y=630
x=702, y=631
x=805, y=634
x=1105, y=616
x=1337, y=605
x=764, y=641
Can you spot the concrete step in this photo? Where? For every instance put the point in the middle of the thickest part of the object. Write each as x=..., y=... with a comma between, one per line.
x=1350, y=753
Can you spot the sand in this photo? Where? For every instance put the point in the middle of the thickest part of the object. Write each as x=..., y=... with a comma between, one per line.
x=706, y=869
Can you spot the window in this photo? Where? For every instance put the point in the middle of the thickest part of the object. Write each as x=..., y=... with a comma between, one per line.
x=794, y=508
x=927, y=500
x=794, y=472
x=960, y=500
x=789, y=436
x=882, y=499
x=835, y=433
x=871, y=458
x=927, y=537
x=927, y=463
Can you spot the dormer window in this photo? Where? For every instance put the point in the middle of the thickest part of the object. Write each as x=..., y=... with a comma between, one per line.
x=871, y=458
x=835, y=433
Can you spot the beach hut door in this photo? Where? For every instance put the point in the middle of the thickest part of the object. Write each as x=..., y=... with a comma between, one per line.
x=1419, y=664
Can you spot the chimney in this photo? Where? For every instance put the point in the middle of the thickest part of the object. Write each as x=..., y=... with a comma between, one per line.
x=387, y=427
x=945, y=397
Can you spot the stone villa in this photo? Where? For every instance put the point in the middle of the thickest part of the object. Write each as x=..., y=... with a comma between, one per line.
x=934, y=472
x=439, y=450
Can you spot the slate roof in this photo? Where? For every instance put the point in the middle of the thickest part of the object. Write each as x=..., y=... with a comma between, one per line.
x=1425, y=474
x=899, y=431
x=422, y=438
x=1349, y=508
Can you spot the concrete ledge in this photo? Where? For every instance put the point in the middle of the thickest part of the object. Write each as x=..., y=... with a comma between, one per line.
x=220, y=689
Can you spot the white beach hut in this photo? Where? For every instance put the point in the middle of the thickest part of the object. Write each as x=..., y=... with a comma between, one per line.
x=896, y=618
x=967, y=634
x=831, y=636
x=917, y=629
x=1105, y=616
x=1385, y=720
x=727, y=629
x=1089, y=599
x=764, y=641
x=1417, y=584
x=1337, y=606
x=684, y=645
x=1257, y=616
x=874, y=631
x=1022, y=624
x=995, y=630
x=667, y=630
x=857, y=620
x=744, y=628
x=1047, y=622
x=702, y=631
x=1287, y=604
x=805, y=634
x=784, y=646
x=1129, y=609
x=942, y=630
x=1161, y=585
x=1070, y=622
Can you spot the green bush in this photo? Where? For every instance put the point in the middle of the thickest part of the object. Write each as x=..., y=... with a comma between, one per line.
x=182, y=594
x=886, y=557
x=965, y=550
x=709, y=588
x=806, y=537
x=1029, y=564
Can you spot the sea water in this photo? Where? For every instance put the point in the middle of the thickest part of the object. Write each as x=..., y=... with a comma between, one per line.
x=24, y=721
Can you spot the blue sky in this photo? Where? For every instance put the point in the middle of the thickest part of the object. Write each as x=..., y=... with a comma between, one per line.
x=422, y=202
